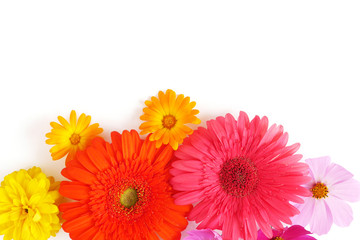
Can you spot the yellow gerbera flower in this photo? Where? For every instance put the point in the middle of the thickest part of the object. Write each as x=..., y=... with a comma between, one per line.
x=28, y=209
x=166, y=117
x=70, y=137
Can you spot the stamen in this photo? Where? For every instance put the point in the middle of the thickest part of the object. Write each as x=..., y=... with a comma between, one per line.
x=319, y=190
x=169, y=121
x=238, y=177
x=74, y=139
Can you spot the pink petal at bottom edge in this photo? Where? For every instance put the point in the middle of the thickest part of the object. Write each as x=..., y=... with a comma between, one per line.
x=261, y=236
x=322, y=219
x=294, y=232
x=340, y=210
x=306, y=212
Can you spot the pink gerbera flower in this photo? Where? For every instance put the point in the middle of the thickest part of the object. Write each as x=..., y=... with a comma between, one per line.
x=331, y=186
x=204, y=234
x=295, y=232
x=241, y=174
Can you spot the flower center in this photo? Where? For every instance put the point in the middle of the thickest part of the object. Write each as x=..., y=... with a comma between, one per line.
x=74, y=139
x=238, y=177
x=319, y=190
x=129, y=198
x=169, y=121
x=277, y=238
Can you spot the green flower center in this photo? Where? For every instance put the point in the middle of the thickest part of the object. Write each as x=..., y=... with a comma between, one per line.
x=129, y=198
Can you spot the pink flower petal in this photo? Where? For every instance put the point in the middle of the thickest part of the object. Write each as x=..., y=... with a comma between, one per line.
x=318, y=167
x=321, y=220
x=261, y=236
x=294, y=232
x=204, y=234
x=306, y=212
x=340, y=210
x=348, y=190
x=336, y=174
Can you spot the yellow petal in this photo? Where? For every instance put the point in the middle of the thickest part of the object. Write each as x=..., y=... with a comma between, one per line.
x=64, y=122
x=73, y=119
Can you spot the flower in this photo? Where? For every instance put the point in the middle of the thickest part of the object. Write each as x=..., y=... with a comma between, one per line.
x=166, y=117
x=68, y=138
x=121, y=191
x=331, y=186
x=294, y=232
x=28, y=209
x=242, y=175
x=204, y=234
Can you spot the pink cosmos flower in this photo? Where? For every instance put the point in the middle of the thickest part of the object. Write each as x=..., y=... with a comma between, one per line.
x=331, y=186
x=241, y=174
x=295, y=232
x=205, y=234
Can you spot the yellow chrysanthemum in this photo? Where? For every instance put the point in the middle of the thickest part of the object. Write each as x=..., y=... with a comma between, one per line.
x=70, y=137
x=166, y=117
x=28, y=205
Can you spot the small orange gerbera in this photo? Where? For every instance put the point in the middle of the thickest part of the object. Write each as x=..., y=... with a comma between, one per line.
x=166, y=117
x=122, y=191
x=70, y=137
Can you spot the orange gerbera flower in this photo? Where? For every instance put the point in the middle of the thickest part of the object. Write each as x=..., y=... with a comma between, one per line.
x=166, y=117
x=122, y=191
x=70, y=137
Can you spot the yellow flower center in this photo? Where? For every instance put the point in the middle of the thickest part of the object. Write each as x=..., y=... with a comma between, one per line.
x=319, y=190
x=129, y=198
x=169, y=121
x=74, y=139
x=277, y=238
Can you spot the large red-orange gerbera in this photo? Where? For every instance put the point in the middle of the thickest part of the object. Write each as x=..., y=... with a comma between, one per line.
x=121, y=191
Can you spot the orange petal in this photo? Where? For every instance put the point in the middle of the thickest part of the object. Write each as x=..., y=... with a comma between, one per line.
x=81, y=223
x=74, y=190
x=80, y=175
x=85, y=161
x=97, y=158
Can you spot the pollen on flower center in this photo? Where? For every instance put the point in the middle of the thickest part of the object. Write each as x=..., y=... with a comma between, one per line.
x=319, y=190
x=169, y=121
x=277, y=238
x=129, y=198
x=238, y=177
x=75, y=139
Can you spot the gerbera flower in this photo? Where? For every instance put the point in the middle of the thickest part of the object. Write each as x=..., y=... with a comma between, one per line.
x=204, y=234
x=295, y=232
x=28, y=209
x=70, y=137
x=331, y=186
x=166, y=117
x=242, y=175
x=121, y=191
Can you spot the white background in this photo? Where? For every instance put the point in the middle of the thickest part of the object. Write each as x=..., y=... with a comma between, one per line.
x=297, y=62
